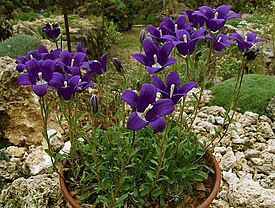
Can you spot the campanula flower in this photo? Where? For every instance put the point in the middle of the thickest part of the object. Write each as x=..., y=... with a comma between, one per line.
x=172, y=26
x=172, y=89
x=41, y=53
x=145, y=109
x=156, y=34
x=52, y=31
x=79, y=48
x=220, y=41
x=194, y=19
x=64, y=85
x=71, y=62
x=155, y=59
x=96, y=66
x=216, y=18
x=246, y=42
x=38, y=75
x=186, y=42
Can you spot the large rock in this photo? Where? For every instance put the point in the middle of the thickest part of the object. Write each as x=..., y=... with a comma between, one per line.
x=20, y=118
x=37, y=191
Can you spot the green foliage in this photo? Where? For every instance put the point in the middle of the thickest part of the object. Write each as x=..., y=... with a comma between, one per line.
x=120, y=161
x=27, y=16
x=257, y=90
x=18, y=45
x=3, y=155
x=99, y=39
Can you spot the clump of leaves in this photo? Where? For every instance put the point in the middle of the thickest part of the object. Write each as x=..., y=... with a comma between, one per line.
x=257, y=90
x=18, y=45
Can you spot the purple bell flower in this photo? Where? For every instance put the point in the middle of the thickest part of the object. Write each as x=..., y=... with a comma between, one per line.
x=216, y=18
x=52, y=30
x=172, y=89
x=39, y=74
x=246, y=42
x=71, y=62
x=155, y=59
x=186, y=42
x=145, y=109
x=95, y=66
x=220, y=41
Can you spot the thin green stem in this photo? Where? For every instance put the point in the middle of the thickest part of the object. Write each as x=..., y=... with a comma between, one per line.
x=45, y=116
x=162, y=152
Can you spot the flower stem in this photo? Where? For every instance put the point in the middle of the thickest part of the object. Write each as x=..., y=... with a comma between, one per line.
x=162, y=152
x=45, y=115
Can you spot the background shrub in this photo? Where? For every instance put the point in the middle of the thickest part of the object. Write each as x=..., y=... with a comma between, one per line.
x=18, y=45
x=257, y=90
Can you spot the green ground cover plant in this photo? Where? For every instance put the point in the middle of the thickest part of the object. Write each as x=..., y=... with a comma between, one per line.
x=257, y=90
x=18, y=45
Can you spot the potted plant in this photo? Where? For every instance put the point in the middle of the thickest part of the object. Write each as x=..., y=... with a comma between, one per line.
x=136, y=148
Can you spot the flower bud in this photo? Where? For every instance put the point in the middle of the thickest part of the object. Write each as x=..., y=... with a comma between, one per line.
x=117, y=63
x=142, y=35
x=94, y=103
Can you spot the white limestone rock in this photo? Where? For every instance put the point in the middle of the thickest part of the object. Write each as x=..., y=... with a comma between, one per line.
x=37, y=191
x=37, y=161
x=266, y=130
x=245, y=192
x=228, y=160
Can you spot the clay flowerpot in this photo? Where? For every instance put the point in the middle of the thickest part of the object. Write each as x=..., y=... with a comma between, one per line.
x=208, y=156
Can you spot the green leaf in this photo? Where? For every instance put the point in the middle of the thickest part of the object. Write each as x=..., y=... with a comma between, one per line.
x=161, y=201
x=120, y=200
x=85, y=196
x=151, y=174
x=156, y=192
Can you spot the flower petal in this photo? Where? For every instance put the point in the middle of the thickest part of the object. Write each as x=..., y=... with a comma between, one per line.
x=158, y=82
x=160, y=107
x=40, y=90
x=140, y=57
x=130, y=97
x=103, y=61
x=147, y=96
x=158, y=124
x=23, y=79
x=135, y=122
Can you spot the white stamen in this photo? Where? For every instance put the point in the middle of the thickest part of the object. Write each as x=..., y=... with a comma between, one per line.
x=40, y=75
x=176, y=27
x=156, y=65
x=65, y=83
x=72, y=63
x=185, y=38
x=160, y=32
x=216, y=15
x=172, y=90
x=40, y=80
x=31, y=56
x=143, y=114
x=155, y=58
x=245, y=38
x=220, y=38
x=51, y=25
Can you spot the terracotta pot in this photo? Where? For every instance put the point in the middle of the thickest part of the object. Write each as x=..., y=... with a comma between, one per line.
x=205, y=204
x=217, y=180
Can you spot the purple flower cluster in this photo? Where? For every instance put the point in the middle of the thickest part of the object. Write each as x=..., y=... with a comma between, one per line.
x=59, y=70
x=185, y=32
